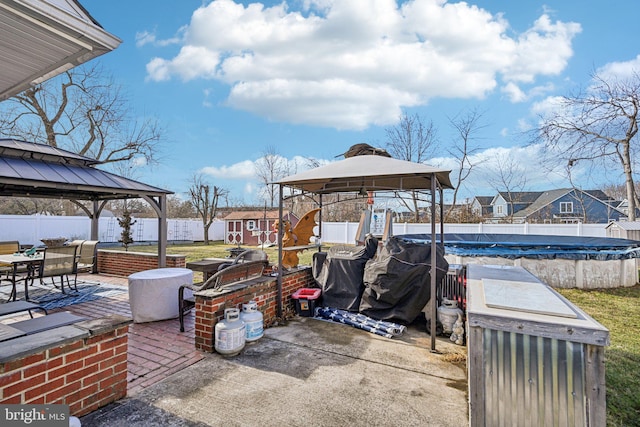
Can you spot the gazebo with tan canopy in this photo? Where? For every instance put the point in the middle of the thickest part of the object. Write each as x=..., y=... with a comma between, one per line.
x=361, y=174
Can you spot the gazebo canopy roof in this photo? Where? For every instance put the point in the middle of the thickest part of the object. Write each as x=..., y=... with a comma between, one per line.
x=38, y=170
x=43, y=38
x=368, y=173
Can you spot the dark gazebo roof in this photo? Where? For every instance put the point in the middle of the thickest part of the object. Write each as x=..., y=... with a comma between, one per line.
x=38, y=170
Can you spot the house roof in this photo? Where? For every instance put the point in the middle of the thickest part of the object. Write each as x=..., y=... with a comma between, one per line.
x=369, y=173
x=43, y=38
x=248, y=215
x=484, y=200
x=548, y=197
x=523, y=197
x=38, y=170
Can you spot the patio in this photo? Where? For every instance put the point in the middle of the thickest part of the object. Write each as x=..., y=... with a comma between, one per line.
x=156, y=350
x=310, y=372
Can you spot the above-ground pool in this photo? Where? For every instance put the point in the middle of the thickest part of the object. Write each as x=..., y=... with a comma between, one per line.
x=583, y=262
x=533, y=246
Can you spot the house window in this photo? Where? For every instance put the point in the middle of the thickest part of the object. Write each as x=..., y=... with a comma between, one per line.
x=251, y=225
x=499, y=209
x=566, y=207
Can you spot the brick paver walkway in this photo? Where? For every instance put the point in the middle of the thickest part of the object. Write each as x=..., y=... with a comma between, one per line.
x=156, y=349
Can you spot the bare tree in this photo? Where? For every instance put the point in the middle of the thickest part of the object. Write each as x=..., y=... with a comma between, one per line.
x=270, y=168
x=601, y=126
x=466, y=127
x=84, y=111
x=510, y=180
x=205, y=200
x=412, y=139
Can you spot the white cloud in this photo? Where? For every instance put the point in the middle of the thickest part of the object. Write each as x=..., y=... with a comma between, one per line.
x=620, y=70
x=145, y=37
x=350, y=64
x=149, y=37
x=241, y=170
x=547, y=106
x=514, y=93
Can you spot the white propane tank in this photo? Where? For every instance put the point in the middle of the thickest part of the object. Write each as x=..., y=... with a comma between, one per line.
x=252, y=318
x=448, y=314
x=230, y=333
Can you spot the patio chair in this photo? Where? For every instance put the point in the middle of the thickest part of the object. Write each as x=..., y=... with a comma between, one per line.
x=7, y=248
x=59, y=262
x=233, y=274
x=87, y=256
x=246, y=256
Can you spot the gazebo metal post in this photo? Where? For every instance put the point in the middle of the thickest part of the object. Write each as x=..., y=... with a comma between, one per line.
x=441, y=216
x=280, y=270
x=162, y=232
x=320, y=223
x=433, y=264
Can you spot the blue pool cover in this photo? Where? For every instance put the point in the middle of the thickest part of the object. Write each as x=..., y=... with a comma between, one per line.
x=533, y=246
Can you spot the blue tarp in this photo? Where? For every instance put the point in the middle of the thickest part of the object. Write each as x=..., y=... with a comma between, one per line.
x=533, y=246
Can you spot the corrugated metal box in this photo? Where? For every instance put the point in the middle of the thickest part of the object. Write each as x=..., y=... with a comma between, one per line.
x=535, y=359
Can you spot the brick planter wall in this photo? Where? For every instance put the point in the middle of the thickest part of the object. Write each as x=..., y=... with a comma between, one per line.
x=82, y=365
x=210, y=305
x=123, y=264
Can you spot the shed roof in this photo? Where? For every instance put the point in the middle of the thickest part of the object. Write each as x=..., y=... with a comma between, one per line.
x=242, y=215
x=625, y=225
x=38, y=170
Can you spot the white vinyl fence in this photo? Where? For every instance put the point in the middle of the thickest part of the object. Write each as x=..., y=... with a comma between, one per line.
x=345, y=232
x=31, y=229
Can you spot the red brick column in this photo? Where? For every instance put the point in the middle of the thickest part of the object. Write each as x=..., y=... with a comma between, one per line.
x=210, y=305
x=86, y=373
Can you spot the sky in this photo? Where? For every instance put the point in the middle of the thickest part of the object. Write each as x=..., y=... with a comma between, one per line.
x=231, y=80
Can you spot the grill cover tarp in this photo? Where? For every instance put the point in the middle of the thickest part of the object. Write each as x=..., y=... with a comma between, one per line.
x=340, y=275
x=398, y=282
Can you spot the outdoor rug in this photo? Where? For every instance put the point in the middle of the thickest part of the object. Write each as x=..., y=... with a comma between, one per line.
x=50, y=297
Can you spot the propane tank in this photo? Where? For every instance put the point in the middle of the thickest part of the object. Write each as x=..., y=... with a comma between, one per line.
x=448, y=314
x=230, y=333
x=252, y=318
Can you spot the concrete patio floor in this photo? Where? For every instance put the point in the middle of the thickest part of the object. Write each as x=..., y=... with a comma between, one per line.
x=308, y=372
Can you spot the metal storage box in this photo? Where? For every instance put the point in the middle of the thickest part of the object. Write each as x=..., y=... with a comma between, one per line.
x=534, y=358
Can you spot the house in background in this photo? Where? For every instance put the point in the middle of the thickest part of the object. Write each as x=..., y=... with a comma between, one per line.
x=481, y=206
x=253, y=227
x=565, y=205
x=506, y=203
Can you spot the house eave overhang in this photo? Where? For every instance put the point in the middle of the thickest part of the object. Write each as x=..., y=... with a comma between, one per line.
x=41, y=39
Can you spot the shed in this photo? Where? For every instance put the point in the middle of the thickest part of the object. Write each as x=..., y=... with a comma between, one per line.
x=624, y=230
x=254, y=227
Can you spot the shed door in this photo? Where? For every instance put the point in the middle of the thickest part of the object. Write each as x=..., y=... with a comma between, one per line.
x=233, y=236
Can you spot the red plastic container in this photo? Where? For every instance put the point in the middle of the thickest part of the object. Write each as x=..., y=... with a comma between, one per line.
x=306, y=299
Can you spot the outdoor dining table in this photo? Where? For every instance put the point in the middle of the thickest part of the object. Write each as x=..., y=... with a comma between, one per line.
x=31, y=261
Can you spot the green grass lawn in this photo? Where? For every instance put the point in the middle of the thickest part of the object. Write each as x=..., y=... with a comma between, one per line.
x=619, y=311
x=198, y=251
